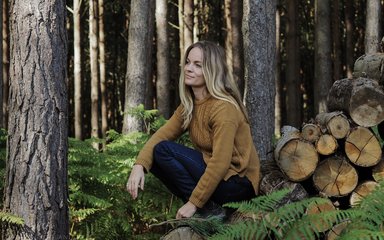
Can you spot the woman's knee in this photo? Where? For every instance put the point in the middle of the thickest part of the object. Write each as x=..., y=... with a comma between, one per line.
x=161, y=147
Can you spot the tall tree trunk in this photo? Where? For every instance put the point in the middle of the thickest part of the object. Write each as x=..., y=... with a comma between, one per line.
x=228, y=35
x=237, y=43
x=162, y=55
x=93, y=55
x=36, y=173
x=103, y=80
x=188, y=23
x=77, y=69
x=336, y=42
x=141, y=28
x=373, y=26
x=323, y=64
x=259, y=48
x=181, y=28
x=349, y=40
x=293, y=101
x=278, y=88
x=1, y=69
x=5, y=65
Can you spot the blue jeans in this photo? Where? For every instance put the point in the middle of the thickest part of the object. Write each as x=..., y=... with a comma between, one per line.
x=180, y=168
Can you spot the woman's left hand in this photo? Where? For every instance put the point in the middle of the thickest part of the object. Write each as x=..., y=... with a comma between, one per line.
x=186, y=211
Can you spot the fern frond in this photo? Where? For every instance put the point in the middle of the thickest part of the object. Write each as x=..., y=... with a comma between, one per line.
x=81, y=214
x=6, y=217
x=362, y=234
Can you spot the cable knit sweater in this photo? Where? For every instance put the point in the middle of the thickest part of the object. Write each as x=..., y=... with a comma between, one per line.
x=222, y=134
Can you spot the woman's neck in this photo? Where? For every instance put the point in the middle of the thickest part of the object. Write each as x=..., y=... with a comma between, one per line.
x=200, y=93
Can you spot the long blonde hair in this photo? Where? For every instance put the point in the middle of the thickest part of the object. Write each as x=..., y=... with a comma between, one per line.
x=218, y=79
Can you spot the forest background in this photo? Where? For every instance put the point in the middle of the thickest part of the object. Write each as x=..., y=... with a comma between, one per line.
x=123, y=60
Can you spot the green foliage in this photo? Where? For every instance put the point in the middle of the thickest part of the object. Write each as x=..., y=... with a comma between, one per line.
x=9, y=218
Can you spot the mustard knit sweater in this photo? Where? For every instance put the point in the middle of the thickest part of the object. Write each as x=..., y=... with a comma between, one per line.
x=222, y=134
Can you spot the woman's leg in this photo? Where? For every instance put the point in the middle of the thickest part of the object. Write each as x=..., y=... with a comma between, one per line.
x=178, y=167
x=235, y=189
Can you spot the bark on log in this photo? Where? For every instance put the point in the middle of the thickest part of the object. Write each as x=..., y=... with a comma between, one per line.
x=296, y=158
x=310, y=132
x=326, y=144
x=321, y=225
x=335, y=177
x=334, y=123
x=370, y=66
x=362, y=190
x=362, y=99
x=362, y=147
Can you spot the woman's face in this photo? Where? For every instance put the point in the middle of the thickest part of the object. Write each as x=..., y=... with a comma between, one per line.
x=193, y=71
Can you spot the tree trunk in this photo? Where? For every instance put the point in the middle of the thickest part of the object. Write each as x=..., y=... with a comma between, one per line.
x=77, y=69
x=36, y=172
x=103, y=80
x=336, y=40
x=323, y=66
x=237, y=44
x=335, y=177
x=259, y=48
x=278, y=84
x=162, y=55
x=370, y=66
x=293, y=96
x=349, y=40
x=139, y=54
x=334, y=123
x=297, y=159
x=362, y=147
x=228, y=34
x=188, y=23
x=373, y=26
x=361, y=99
x=1, y=69
x=93, y=55
x=5, y=65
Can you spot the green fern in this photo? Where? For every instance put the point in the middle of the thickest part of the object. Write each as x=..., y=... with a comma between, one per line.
x=9, y=218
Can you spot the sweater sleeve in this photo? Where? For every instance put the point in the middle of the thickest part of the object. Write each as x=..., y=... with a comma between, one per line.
x=224, y=121
x=171, y=130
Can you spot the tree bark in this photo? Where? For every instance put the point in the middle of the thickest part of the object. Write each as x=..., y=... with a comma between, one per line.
x=259, y=48
x=278, y=83
x=139, y=54
x=349, y=40
x=162, y=55
x=373, y=26
x=77, y=71
x=361, y=99
x=103, y=80
x=188, y=23
x=5, y=65
x=237, y=44
x=93, y=55
x=323, y=66
x=293, y=96
x=370, y=66
x=36, y=174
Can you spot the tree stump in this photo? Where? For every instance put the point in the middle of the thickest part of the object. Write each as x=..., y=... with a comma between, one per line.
x=326, y=144
x=361, y=98
x=334, y=123
x=310, y=132
x=296, y=158
x=370, y=66
x=362, y=190
x=335, y=177
x=362, y=147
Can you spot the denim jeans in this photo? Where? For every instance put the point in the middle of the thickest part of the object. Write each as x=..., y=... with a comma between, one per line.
x=180, y=168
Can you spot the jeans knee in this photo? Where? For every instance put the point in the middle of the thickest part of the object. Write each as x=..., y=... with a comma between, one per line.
x=160, y=148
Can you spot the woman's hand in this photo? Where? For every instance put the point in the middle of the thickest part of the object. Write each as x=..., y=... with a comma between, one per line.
x=135, y=180
x=186, y=211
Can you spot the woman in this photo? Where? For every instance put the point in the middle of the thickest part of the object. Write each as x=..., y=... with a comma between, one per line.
x=224, y=165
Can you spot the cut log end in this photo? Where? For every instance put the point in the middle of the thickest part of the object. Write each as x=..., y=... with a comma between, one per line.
x=361, y=191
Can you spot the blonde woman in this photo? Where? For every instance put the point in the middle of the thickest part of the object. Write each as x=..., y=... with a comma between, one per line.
x=223, y=166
